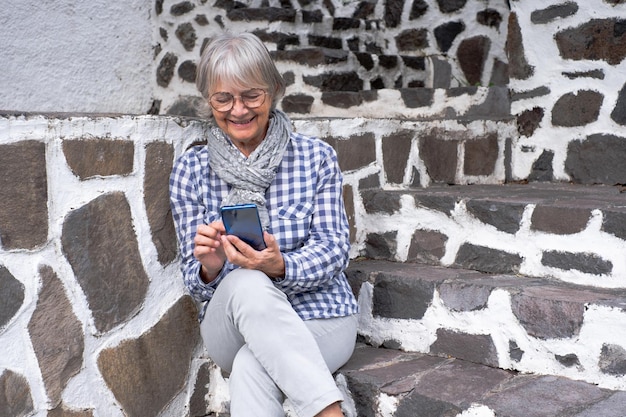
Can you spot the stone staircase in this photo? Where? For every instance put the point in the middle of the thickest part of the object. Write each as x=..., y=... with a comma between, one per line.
x=491, y=300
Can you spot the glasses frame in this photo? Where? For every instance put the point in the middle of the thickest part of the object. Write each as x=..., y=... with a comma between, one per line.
x=240, y=97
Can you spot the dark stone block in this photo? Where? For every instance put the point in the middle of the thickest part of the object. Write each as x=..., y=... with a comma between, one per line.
x=446, y=33
x=12, y=296
x=524, y=95
x=499, y=73
x=365, y=60
x=481, y=155
x=614, y=404
x=515, y=352
x=348, y=201
x=416, y=404
x=529, y=120
x=15, y=395
x=613, y=360
x=559, y=220
x=570, y=360
x=280, y=39
x=401, y=297
x=474, y=348
x=550, y=312
x=158, y=6
x=267, y=14
x=181, y=8
x=165, y=71
x=414, y=98
x=355, y=152
x=190, y=106
x=588, y=263
x=201, y=20
x=427, y=247
x=542, y=168
x=597, y=160
x=325, y=42
x=614, y=223
x=335, y=81
x=577, y=109
x=518, y=65
x=597, y=39
x=439, y=157
x=186, y=34
x=59, y=352
x=312, y=16
x=396, y=149
x=353, y=44
x=372, y=48
x=23, y=195
x=297, y=103
x=198, y=405
x=371, y=181
x=364, y=10
x=543, y=396
x=393, y=13
x=412, y=40
x=470, y=292
x=443, y=203
x=162, y=354
x=505, y=216
x=187, y=71
x=414, y=62
x=377, y=84
x=418, y=9
x=380, y=246
x=342, y=99
x=346, y=23
x=554, y=12
x=598, y=74
x=100, y=244
x=388, y=61
x=311, y=57
x=159, y=157
x=480, y=258
x=619, y=112
x=442, y=73
x=88, y=158
x=497, y=105
x=489, y=17
x=472, y=54
x=451, y=6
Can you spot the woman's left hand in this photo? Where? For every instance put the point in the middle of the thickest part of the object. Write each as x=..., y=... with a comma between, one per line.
x=269, y=260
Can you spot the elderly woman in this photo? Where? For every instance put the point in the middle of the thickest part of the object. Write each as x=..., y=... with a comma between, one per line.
x=280, y=320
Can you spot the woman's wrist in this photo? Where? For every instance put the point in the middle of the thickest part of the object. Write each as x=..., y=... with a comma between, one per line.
x=207, y=276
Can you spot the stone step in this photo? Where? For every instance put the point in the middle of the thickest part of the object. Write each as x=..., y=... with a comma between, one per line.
x=514, y=322
x=389, y=383
x=571, y=233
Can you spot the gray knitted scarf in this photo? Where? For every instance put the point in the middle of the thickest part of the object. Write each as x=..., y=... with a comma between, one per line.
x=249, y=178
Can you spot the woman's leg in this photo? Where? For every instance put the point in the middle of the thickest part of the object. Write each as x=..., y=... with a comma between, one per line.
x=247, y=309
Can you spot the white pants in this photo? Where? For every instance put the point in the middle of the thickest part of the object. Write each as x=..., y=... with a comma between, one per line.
x=251, y=331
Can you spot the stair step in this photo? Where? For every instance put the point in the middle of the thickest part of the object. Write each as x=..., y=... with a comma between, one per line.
x=390, y=383
x=514, y=322
x=572, y=233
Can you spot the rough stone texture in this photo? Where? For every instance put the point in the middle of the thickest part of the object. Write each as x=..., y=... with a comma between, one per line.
x=380, y=202
x=297, y=103
x=549, y=312
x=613, y=360
x=11, y=294
x=416, y=97
x=542, y=168
x=439, y=156
x=519, y=68
x=614, y=223
x=529, y=120
x=380, y=245
x=468, y=347
x=503, y=216
x=402, y=297
x=162, y=354
x=588, y=263
x=468, y=294
x=485, y=259
x=446, y=33
x=355, y=152
x=577, y=109
x=23, y=195
x=472, y=54
x=159, y=159
x=166, y=68
x=56, y=335
x=99, y=157
x=62, y=411
x=481, y=155
x=597, y=160
x=450, y=6
x=348, y=201
x=15, y=396
x=559, y=220
x=598, y=39
x=427, y=247
x=412, y=40
x=100, y=244
x=619, y=112
x=197, y=402
x=396, y=148
x=553, y=12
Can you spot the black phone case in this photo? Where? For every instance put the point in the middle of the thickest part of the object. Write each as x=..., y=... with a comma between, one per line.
x=243, y=221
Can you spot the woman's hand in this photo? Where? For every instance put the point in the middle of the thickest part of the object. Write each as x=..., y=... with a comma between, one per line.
x=269, y=260
x=209, y=250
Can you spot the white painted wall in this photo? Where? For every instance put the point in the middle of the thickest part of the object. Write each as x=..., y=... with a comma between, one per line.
x=76, y=56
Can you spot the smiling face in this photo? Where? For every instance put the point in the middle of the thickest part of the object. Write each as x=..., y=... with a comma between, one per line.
x=245, y=127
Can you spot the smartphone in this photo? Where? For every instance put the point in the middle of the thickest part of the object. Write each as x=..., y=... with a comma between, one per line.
x=243, y=221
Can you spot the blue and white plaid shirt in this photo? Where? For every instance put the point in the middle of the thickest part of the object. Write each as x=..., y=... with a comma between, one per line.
x=307, y=218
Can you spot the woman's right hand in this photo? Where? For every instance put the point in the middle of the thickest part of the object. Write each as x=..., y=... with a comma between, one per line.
x=208, y=249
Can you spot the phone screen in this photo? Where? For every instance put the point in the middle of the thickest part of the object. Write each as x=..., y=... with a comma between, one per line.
x=243, y=221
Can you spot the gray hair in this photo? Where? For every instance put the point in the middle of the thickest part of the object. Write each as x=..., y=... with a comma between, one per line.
x=242, y=60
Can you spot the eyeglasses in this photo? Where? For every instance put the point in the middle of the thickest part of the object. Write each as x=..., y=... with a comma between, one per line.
x=225, y=101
